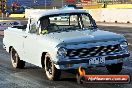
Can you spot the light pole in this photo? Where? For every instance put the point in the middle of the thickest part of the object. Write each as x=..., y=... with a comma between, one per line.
x=45, y=4
x=62, y=3
x=2, y=14
x=2, y=8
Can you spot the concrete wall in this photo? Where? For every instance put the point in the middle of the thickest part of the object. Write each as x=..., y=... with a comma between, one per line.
x=104, y=15
x=112, y=15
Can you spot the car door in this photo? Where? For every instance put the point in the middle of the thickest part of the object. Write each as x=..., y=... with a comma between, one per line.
x=31, y=45
x=16, y=38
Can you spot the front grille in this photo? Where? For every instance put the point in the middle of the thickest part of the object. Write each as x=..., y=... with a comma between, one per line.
x=94, y=51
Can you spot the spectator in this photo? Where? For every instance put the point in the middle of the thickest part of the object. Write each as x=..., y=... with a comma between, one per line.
x=14, y=6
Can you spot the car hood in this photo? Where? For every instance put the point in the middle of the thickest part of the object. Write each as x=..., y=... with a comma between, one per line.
x=85, y=36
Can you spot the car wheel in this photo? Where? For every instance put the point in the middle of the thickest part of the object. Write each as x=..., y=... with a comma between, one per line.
x=15, y=59
x=52, y=72
x=114, y=68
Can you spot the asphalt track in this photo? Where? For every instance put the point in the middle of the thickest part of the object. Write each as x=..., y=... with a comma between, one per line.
x=34, y=77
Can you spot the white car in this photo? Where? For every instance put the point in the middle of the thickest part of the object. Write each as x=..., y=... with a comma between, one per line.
x=64, y=45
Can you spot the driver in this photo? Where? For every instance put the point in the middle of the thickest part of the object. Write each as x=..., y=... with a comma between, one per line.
x=44, y=23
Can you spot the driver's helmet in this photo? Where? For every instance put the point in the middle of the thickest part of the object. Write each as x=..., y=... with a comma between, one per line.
x=44, y=23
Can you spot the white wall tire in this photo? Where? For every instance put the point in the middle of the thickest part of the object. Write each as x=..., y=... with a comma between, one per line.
x=51, y=71
x=15, y=59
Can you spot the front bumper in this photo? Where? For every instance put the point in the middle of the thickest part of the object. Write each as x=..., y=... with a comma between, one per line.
x=75, y=63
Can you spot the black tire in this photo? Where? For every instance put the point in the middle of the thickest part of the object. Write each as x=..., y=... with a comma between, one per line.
x=15, y=59
x=114, y=68
x=51, y=71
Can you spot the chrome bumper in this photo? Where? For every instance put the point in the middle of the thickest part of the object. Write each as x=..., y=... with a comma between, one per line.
x=74, y=64
x=77, y=61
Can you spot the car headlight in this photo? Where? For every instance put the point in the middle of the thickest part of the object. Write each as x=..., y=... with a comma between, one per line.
x=62, y=52
x=124, y=45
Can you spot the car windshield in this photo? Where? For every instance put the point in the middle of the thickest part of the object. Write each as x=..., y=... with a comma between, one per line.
x=67, y=22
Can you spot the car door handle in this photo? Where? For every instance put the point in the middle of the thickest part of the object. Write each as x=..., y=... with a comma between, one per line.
x=25, y=36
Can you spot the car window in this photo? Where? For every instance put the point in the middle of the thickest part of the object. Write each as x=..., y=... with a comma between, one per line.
x=68, y=22
x=33, y=27
x=60, y=20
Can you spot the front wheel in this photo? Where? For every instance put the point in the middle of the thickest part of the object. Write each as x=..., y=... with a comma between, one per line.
x=15, y=59
x=114, y=68
x=52, y=72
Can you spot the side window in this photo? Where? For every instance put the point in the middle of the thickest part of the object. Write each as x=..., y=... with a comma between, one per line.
x=73, y=20
x=86, y=21
x=60, y=20
x=33, y=27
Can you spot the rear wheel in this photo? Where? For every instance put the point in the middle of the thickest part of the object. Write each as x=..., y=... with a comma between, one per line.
x=114, y=68
x=15, y=59
x=52, y=72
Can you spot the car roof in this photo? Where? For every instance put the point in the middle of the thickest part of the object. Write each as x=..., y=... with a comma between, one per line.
x=42, y=13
